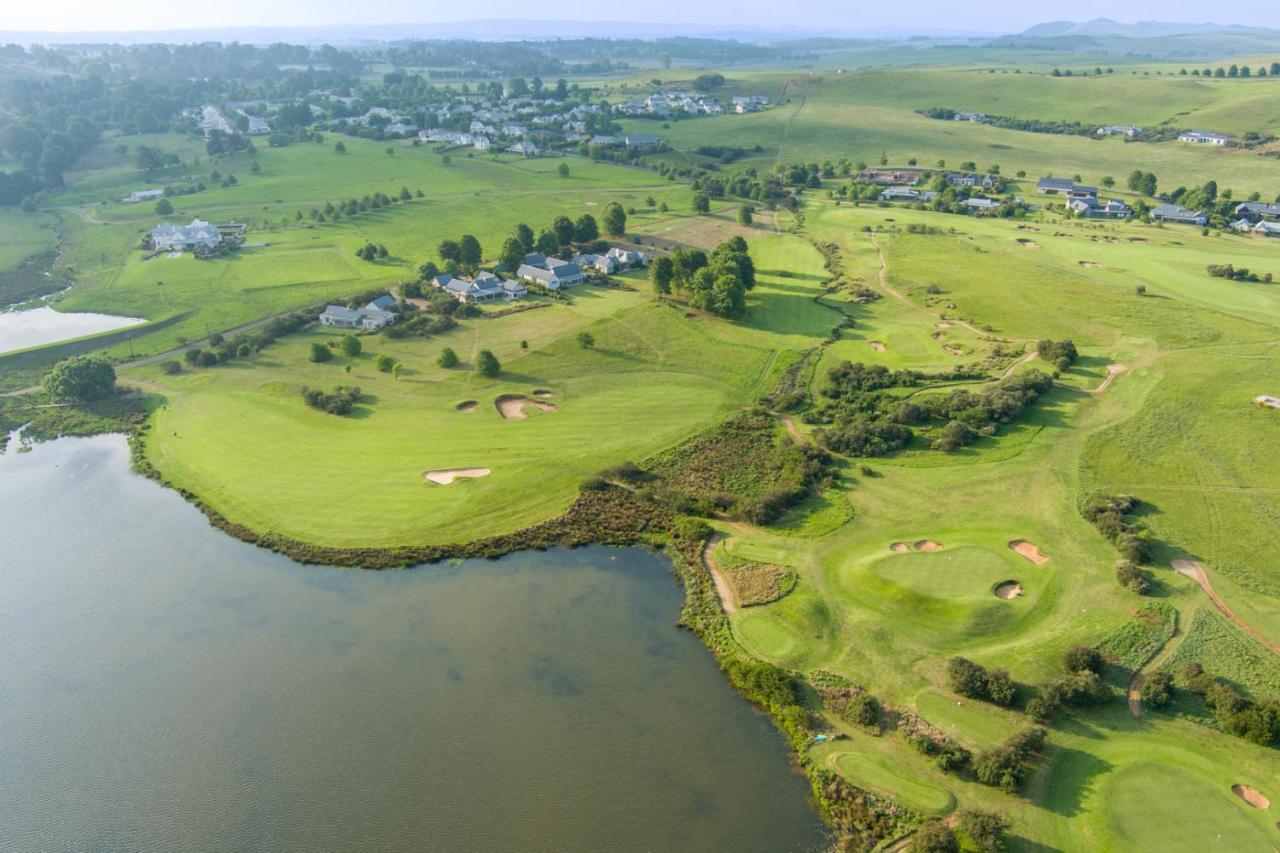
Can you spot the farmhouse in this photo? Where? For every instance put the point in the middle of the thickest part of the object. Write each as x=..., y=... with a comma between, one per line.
x=1255, y=210
x=626, y=258
x=963, y=180
x=907, y=194
x=981, y=203
x=1267, y=229
x=372, y=316
x=599, y=263
x=1093, y=208
x=1119, y=130
x=485, y=287
x=901, y=178
x=551, y=273
x=528, y=149
x=142, y=195
x=643, y=141
x=199, y=236
x=1064, y=186
x=1178, y=214
x=1204, y=137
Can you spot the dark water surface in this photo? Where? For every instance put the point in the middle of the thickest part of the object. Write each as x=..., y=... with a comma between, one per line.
x=164, y=687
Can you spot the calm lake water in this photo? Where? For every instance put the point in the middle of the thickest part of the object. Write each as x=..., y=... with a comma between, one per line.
x=36, y=326
x=164, y=687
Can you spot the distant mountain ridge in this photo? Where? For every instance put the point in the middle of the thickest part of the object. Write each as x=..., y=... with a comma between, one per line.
x=1141, y=29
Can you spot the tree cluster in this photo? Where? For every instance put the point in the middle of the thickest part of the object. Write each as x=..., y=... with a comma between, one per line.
x=1255, y=721
x=977, y=682
x=80, y=379
x=716, y=283
x=338, y=402
x=371, y=252
x=1062, y=354
x=1007, y=765
x=1110, y=515
x=1236, y=273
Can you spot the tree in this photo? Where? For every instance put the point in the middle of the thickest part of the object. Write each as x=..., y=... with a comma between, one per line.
x=548, y=243
x=164, y=207
x=934, y=837
x=350, y=345
x=171, y=367
x=448, y=358
x=586, y=340
x=319, y=353
x=745, y=214
x=339, y=147
x=395, y=370
x=661, y=271
x=563, y=170
x=701, y=204
x=449, y=250
x=525, y=235
x=428, y=271
x=983, y=830
x=487, y=364
x=1083, y=659
x=384, y=362
x=79, y=379
x=1157, y=688
x=563, y=228
x=512, y=253
x=615, y=220
x=585, y=229
x=470, y=253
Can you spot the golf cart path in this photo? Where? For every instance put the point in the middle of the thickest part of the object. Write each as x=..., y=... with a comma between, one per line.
x=1193, y=570
x=723, y=590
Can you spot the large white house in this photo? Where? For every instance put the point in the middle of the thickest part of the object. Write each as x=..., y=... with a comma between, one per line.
x=198, y=236
x=372, y=316
x=551, y=273
x=1204, y=137
x=485, y=287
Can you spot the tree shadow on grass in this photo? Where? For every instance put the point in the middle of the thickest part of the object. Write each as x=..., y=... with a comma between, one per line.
x=1076, y=772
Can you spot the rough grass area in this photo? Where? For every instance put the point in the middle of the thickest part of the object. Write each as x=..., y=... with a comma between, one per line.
x=1213, y=643
x=754, y=583
x=1136, y=641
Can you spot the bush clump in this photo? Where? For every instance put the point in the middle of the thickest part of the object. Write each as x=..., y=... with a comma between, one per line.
x=338, y=402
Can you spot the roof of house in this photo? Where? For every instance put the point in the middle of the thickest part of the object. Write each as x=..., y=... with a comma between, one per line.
x=382, y=302
x=1260, y=208
x=1204, y=134
x=198, y=231
x=1268, y=227
x=1175, y=211
x=341, y=312
x=1056, y=183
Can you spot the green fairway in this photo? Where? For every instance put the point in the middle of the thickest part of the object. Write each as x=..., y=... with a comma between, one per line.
x=884, y=777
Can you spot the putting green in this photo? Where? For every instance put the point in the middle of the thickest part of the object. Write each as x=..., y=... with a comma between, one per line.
x=956, y=574
x=1152, y=806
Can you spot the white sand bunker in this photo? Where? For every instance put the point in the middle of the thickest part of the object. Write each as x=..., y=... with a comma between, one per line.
x=1268, y=401
x=542, y=392
x=1251, y=795
x=512, y=406
x=448, y=475
x=1090, y=265
x=899, y=547
x=1026, y=549
x=926, y=545
x=877, y=346
x=467, y=406
x=1008, y=590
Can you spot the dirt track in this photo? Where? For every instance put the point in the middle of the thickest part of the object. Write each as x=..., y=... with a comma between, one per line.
x=1193, y=570
x=727, y=600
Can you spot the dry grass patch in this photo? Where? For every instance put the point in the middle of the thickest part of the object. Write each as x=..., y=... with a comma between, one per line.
x=754, y=583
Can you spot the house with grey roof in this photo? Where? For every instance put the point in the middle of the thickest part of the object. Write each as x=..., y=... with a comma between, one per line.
x=142, y=195
x=553, y=277
x=1255, y=210
x=371, y=317
x=1127, y=130
x=1064, y=186
x=199, y=236
x=642, y=141
x=1180, y=215
x=976, y=118
x=981, y=203
x=600, y=263
x=485, y=287
x=907, y=194
x=1267, y=229
x=1204, y=137
x=528, y=149
x=1091, y=207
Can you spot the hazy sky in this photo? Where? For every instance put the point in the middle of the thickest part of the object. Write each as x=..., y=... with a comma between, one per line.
x=924, y=15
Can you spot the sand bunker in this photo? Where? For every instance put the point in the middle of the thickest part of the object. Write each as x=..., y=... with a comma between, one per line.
x=448, y=475
x=467, y=406
x=1090, y=265
x=942, y=325
x=1251, y=795
x=512, y=406
x=1008, y=590
x=926, y=545
x=1028, y=244
x=542, y=392
x=937, y=336
x=899, y=547
x=1026, y=549
x=1267, y=400
x=954, y=349
x=877, y=346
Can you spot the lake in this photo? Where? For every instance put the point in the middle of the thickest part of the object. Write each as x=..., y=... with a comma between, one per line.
x=43, y=325
x=165, y=687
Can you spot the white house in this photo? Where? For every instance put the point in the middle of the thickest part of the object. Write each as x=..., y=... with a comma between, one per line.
x=1204, y=137
x=485, y=287
x=627, y=258
x=372, y=316
x=1179, y=214
x=600, y=263
x=1128, y=130
x=142, y=195
x=198, y=236
x=562, y=274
